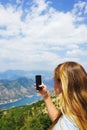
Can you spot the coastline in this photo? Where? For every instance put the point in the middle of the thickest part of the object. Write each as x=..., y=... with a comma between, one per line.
x=9, y=101
x=20, y=102
x=14, y=100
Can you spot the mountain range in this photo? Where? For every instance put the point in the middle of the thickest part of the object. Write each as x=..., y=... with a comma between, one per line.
x=15, y=84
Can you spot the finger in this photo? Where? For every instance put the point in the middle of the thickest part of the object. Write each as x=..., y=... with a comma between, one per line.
x=35, y=85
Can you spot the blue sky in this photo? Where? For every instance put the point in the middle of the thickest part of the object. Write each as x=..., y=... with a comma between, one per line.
x=40, y=34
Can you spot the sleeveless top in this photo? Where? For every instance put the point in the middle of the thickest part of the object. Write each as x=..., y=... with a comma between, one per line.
x=65, y=123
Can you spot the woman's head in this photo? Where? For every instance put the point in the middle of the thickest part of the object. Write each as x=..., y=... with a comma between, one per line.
x=72, y=78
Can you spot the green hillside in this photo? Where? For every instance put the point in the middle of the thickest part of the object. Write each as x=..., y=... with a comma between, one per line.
x=30, y=117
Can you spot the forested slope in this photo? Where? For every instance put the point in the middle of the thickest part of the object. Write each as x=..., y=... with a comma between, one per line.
x=30, y=117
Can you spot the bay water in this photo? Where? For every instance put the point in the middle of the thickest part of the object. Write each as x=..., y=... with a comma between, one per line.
x=21, y=102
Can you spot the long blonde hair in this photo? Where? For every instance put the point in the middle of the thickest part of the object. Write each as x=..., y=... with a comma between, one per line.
x=73, y=99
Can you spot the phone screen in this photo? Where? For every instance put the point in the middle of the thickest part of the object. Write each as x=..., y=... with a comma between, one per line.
x=38, y=81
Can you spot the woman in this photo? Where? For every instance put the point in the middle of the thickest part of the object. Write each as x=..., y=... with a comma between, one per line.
x=70, y=85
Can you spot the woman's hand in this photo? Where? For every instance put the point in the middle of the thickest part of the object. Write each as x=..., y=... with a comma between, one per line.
x=43, y=91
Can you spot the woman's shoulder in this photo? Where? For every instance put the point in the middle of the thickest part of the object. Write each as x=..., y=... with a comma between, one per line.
x=65, y=123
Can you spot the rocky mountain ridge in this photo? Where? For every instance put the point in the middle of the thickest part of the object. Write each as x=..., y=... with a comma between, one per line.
x=12, y=89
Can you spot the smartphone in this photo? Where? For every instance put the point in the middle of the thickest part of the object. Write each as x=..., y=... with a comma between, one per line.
x=38, y=79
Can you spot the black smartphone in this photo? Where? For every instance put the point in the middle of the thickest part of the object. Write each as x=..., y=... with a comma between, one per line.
x=38, y=79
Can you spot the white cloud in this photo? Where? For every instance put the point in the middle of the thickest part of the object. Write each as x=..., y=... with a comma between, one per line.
x=80, y=8
x=77, y=52
x=41, y=36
